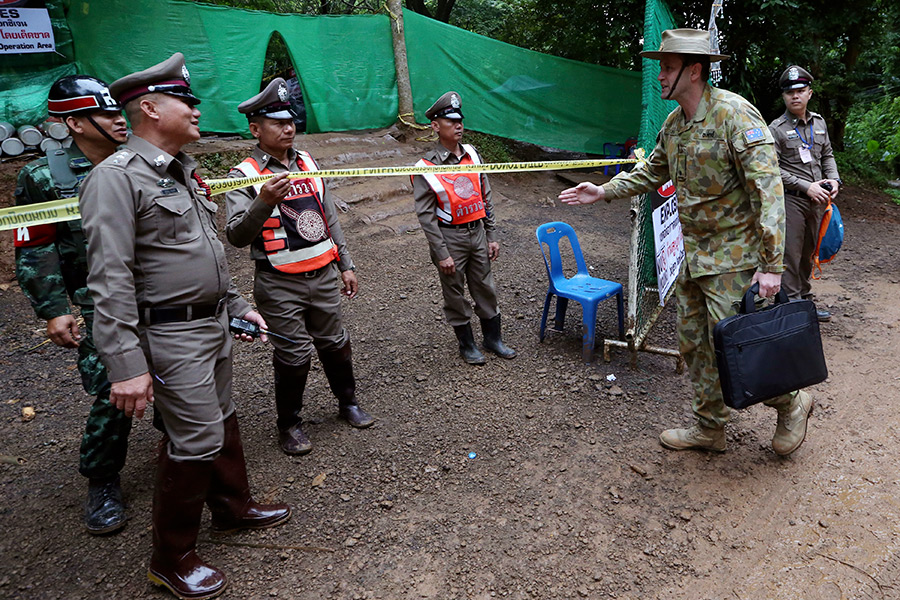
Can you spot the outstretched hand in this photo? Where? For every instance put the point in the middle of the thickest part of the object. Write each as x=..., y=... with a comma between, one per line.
x=583, y=193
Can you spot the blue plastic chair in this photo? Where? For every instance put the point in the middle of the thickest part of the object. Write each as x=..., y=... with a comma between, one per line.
x=611, y=150
x=581, y=287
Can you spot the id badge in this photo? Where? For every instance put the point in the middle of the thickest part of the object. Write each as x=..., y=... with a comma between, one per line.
x=805, y=155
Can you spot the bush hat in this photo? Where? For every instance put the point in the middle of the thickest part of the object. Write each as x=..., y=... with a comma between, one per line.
x=685, y=41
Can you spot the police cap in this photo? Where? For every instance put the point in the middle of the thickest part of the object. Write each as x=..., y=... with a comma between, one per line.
x=794, y=78
x=273, y=102
x=169, y=77
x=447, y=106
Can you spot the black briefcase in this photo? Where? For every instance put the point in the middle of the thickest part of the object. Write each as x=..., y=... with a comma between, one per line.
x=766, y=353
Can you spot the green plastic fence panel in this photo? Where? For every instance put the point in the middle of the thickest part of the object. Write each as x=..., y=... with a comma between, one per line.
x=26, y=78
x=643, y=299
x=657, y=18
x=345, y=63
x=518, y=93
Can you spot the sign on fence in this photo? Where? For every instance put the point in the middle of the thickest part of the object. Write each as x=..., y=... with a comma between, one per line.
x=667, y=238
x=25, y=30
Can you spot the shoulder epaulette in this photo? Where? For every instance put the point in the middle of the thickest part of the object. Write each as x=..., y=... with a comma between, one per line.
x=121, y=158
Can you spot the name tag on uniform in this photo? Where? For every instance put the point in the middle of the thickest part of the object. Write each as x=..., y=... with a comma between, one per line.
x=805, y=155
x=820, y=132
x=792, y=135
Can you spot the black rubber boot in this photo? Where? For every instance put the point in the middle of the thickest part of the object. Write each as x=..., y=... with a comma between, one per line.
x=290, y=381
x=493, y=340
x=338, y=366
x=104, y=509
x=467, y=348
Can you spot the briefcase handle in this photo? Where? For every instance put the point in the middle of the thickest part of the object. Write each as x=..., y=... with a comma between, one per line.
x=749, y=306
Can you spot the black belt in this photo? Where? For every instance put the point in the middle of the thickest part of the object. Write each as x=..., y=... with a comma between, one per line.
x=153, y=315
x=265, y=265
x=470, y=225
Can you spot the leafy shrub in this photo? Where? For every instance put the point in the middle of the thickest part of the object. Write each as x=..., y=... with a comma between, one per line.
x=872, y=141
x=493, y=149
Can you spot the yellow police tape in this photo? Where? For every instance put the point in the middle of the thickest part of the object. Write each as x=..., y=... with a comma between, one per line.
x=67, y=209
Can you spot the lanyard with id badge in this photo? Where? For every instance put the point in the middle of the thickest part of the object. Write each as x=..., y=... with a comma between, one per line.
x=805, y=147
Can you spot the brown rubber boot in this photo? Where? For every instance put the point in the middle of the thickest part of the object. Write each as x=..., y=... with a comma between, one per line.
x=338, y=366
x=792, y=420
x=696, y=437
x=181, y=489
x=290, y=381
x=229, y=500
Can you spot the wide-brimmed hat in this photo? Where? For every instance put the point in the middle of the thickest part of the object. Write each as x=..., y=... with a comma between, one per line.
x=685, y=41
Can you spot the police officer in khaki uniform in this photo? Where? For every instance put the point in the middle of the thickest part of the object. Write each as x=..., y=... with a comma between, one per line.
x=717, y=149
x=457, y=217
x=163, y=296
x=808, y=169
x=298, y=246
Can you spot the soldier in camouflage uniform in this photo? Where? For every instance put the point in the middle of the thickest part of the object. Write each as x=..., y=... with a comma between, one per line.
x=719, y=152
x=51, y=267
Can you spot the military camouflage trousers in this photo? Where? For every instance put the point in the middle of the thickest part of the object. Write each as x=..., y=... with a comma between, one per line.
x=703, y=302
x=105, y=441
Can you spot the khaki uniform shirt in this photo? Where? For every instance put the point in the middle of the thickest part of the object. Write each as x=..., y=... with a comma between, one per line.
x=152, y=241
x=725, y=171
x=247, y=213
x=426, y=203
x=789, y=132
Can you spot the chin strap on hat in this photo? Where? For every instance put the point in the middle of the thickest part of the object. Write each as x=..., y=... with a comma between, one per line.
x=102, y=131
x=677, y=79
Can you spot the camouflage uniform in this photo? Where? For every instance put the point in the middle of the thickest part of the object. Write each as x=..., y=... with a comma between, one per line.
x=731, y=205
x=51, y=267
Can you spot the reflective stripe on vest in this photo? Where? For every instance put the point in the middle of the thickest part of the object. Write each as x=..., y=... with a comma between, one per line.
x=459, y=197
x=305, y=255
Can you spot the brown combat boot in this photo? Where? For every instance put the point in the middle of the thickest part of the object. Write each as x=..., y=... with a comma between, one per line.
x=229, y=500
x=290, y=381
x=696, y=437
x=792, y=420
x=338, y=367
x=181, y=489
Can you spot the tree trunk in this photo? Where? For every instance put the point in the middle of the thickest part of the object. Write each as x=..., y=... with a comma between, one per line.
x=404, y=90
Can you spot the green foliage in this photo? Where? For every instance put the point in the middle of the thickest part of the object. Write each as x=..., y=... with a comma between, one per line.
x=894, y=194
x=217, y=164
x=872, y=140
x=493, y=149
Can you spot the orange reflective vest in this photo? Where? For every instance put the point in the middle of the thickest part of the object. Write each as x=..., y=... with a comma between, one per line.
x=296, y=237
x=459, y=197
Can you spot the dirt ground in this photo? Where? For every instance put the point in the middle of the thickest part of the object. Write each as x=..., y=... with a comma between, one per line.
x=569, y=494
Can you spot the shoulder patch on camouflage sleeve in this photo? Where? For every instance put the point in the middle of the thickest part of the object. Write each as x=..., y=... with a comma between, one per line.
x=754, y=135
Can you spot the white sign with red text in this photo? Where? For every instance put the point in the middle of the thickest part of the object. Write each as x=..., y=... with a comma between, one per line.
x=25, y=30
x=667, y=240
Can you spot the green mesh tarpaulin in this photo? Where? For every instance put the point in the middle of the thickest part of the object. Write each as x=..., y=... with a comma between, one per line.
x=654, y=110
x=521, y=94
x=26, y=78
x=345, y=63
x=643, y=295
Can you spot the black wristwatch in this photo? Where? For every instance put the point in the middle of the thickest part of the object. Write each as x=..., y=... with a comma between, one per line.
x=840, y=183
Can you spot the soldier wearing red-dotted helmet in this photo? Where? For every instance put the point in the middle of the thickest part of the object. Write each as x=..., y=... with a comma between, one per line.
x=51, y=267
